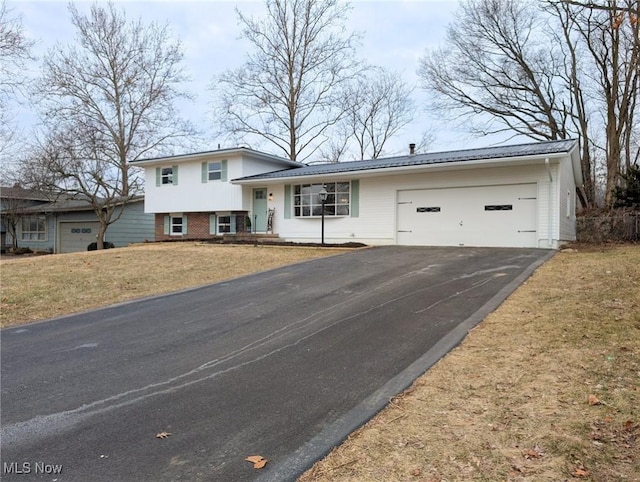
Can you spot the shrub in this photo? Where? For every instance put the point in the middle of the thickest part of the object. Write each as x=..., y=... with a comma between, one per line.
x=94, y=246
x=25, y=250
x=629, y=195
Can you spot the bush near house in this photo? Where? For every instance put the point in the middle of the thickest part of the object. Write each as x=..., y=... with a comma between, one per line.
x=94, y=246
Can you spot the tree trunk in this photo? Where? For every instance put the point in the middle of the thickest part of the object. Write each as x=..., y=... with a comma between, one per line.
x=101, y=233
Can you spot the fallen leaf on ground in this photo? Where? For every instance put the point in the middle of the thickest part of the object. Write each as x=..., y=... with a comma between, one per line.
x=163, y=435
x=534, y=453
x=258, y=461
x=580, y=472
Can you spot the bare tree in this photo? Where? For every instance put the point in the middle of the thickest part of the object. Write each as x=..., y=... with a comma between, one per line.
x=106, y=100
x=507, y=68
x=117, y=83
x=613, y=49
x=14, y=54
x=493, y=64
x=68, y=164
x=287, y=93
x=379, y=106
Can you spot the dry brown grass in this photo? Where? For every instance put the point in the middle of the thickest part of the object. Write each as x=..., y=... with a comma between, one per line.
x=36, y=288
x=547, y=388
x=512, y=402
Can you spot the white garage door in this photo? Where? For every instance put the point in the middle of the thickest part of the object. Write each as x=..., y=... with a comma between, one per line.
x=469, y=216
x=77, y=236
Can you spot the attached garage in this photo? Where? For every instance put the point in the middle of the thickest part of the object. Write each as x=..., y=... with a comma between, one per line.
x=522, y=195
x=469, y=216
x=76, y=236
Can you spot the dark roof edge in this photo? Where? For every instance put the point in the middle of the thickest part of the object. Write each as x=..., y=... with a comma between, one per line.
x=222, y=152
x=432, y=158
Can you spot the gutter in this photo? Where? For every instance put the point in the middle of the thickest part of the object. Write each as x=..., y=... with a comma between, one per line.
x=260, y=179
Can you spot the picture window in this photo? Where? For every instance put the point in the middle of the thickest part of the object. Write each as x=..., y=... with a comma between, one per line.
x=306, y=199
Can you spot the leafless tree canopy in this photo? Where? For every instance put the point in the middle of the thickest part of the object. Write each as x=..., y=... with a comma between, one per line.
x=14, y=52
x=379, y=106
x=494, y=63
x=288, y=91
x=546, y=70
x=105, y=100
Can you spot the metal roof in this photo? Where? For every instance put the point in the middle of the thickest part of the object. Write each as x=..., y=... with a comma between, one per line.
x=486, y=153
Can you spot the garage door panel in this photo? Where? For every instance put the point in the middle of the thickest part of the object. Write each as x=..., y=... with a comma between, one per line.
x=469, y=216
x=76, y=236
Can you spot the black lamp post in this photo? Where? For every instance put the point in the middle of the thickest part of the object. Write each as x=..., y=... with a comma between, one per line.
x=323, y=198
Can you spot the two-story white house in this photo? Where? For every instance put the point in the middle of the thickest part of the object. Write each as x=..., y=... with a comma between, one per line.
x=514, y=196
x=192, y=195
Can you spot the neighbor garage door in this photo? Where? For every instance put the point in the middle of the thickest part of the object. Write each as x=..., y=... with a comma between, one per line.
x=77, y=236
x=469, y=216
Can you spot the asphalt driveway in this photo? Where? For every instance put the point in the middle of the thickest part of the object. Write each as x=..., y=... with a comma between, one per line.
x=283, y=364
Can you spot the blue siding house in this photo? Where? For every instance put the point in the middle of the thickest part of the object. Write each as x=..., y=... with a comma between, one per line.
x=70, y=225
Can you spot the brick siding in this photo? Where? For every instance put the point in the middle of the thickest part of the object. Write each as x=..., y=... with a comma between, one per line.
x=197, y=226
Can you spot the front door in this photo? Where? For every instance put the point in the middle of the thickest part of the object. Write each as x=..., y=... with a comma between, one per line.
x=259, y=216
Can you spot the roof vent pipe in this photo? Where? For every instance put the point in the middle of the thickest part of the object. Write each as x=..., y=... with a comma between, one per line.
x=412, y=149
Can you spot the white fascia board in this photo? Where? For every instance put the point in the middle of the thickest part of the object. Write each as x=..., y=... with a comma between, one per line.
x=442, y=166
x=576, y=164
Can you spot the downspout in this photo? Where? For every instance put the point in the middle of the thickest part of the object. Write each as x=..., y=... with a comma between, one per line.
x=546, y=163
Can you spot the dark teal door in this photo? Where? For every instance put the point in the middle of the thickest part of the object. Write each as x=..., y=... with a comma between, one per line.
x=259, y=215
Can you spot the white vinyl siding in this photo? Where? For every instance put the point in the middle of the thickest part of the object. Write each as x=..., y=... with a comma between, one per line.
x=376, y=223
x=195, y=193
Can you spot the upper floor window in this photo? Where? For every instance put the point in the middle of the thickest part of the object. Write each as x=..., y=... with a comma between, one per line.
x=306, y=199
x=34, y=228
x=167, y=176
x=214, y=171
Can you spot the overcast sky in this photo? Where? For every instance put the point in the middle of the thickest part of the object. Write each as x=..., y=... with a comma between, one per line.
x=395, y=35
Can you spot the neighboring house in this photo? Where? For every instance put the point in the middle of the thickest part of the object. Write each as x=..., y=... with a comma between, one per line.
x=13, y=200
x=512, y=196
x=70, y=225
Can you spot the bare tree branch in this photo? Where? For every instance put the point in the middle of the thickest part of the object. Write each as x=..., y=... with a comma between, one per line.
x=106, y=100
x=287, y=93
x=546, y=70
x=14, y=53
